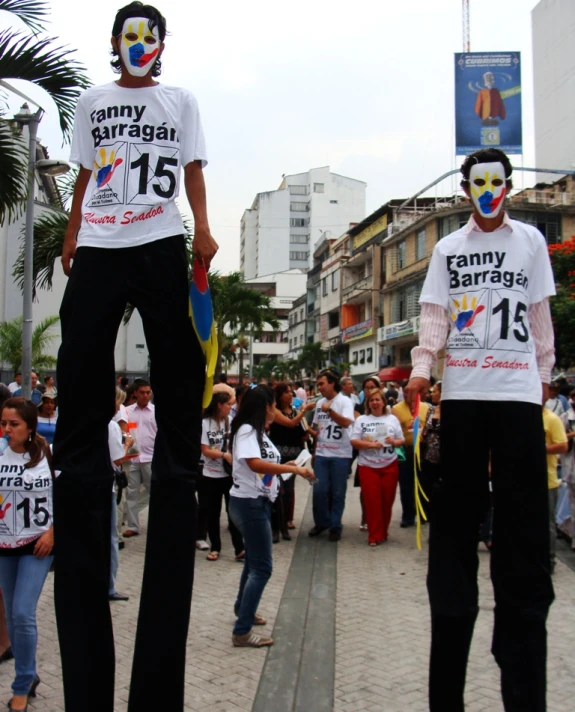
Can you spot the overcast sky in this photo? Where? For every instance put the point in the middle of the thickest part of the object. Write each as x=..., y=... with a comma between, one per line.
x=365, y=87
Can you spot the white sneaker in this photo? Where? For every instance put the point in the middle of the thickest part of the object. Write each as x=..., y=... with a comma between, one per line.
x=202, y=545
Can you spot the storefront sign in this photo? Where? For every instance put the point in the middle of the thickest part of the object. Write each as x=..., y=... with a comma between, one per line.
x=399, y=329
x=357, y=331
x=370, y=231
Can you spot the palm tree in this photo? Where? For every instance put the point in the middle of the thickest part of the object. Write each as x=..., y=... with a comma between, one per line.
x=312, y=358
x=238, y=308
x=11, y=343
x=24, y=55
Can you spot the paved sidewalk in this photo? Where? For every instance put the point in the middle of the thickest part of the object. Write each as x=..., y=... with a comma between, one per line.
x=380, y=621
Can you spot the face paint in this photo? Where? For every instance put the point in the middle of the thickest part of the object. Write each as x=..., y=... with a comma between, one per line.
x=487, y=188
x=139, y=46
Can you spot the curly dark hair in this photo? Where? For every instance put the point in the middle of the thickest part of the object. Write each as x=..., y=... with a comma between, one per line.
x=138, y=9
x=487, y=155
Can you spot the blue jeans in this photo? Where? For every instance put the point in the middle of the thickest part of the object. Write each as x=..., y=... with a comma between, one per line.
x=22, y=579
x=329, y=491
x=114, y=550
x=252, y=518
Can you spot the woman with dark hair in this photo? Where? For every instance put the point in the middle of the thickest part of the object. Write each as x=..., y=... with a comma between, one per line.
x=47, y=417
x=256, y=464
x=287, y=434
x=216, y=482
x=26, y=540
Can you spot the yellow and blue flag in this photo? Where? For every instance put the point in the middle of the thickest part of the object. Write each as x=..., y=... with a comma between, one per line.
x=202, y=315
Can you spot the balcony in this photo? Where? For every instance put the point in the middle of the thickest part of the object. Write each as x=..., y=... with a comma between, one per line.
x=358, y=289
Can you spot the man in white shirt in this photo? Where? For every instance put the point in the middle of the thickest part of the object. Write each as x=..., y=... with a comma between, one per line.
x=486, y=301
x=143, y=414
x=135, y=139
x=332, y=425
x=300, y=392
x=16, y=383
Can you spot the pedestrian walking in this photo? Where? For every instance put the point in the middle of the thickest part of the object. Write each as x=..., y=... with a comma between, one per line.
x=26, y=546
x=556, y=444
x=485, y=301
x=256, y=465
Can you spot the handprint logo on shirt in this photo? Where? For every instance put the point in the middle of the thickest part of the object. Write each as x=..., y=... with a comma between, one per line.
x=3, y=510
x=466, y=313
x=105, y=169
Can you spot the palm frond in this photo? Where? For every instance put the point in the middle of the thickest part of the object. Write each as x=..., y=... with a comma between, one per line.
x=33, y=13
x=49, y=230
x=13, y=172
x=66, y=185
x=52, y=68
x=43, y=335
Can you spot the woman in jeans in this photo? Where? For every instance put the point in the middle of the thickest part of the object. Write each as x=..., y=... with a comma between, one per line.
x=287, y=434
x=26, y=539
x=216, y=482
x=255, y=486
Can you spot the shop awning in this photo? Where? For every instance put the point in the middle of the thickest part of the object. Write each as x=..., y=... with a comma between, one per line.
x=394, y=373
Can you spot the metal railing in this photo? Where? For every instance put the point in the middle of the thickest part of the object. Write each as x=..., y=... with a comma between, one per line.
x=364, y=283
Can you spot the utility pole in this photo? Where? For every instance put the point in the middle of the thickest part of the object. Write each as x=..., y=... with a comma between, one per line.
x=465, y=18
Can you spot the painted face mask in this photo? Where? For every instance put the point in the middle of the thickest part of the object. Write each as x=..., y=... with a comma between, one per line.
x=139, y=46
x=487, y=188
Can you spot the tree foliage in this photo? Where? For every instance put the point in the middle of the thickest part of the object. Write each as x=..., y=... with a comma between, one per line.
x=563, y=304
x=11, y=343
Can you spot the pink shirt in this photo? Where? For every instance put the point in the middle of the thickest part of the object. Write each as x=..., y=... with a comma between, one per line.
x=145, y=419
x=435, y=326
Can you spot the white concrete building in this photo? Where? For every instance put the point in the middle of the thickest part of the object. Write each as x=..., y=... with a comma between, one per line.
x=297, y=320
x=553, y=24
x=280, y=229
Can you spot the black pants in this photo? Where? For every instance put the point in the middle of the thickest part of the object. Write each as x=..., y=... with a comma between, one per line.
x=512, y=433
x=211, y=491
x=282, y=506
x=407, y=487
x=153, y=278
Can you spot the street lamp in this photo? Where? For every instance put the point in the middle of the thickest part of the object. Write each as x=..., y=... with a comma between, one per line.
x=46, y=167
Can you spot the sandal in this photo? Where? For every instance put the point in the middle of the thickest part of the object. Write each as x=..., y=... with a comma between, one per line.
x=241, y=556
x=291, y=525
x=213, y=556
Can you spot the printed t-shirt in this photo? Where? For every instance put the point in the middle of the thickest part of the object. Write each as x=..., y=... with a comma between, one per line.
x=135, y=143
x=247, y=483
x=25, y=502
x=486, y=282
x=333, y=440
x=213, y=435
x=554, y=433
x=370, y=428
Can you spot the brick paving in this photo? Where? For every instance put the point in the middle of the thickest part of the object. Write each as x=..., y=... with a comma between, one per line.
x=382, y=630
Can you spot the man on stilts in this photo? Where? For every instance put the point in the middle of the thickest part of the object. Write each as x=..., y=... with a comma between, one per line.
x=125, y=244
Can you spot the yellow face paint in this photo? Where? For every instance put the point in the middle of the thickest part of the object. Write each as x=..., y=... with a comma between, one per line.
x=487, y=188
x=139, y=46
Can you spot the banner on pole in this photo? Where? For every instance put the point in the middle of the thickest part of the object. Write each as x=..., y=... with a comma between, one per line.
x=488, y=102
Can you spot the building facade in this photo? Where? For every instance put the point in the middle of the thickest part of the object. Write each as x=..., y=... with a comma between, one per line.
x=553, y=25
x=282, y=226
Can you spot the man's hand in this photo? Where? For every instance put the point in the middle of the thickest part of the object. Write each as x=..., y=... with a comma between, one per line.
x=414, y=387
x=204, y=246
x=68, y=252
x=544, y=393
x=326, y=406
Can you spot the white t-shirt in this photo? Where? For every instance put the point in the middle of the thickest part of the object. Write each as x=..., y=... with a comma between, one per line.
x=115, y=442
x=135, y=143
x=13, y=387
x=333, y=440
x=370, y=428
x=213, y=435
x=121, y=415
x=247, y=483
x=486, y=282
x=25, y=499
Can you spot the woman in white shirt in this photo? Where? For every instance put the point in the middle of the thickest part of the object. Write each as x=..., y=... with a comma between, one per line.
x=216, y=482
x=26, y=538
x=255, y=486
x=376, y=435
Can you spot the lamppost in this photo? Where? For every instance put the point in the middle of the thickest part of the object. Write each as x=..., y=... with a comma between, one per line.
x=45, y=167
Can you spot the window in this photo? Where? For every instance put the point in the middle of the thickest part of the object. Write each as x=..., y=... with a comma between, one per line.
x=401, y=254
x=297, y=222
x=369, y=355
x=334, y=280
x=299, y=239
x=333, y=202
x=405, y=303
x=301, y=314
x=299, y=256
x=299, y=207
x=298, y=189
x=354, y=358
x=333, y=320
x=324, y=287
x=290, y=344
x=420, y=245
x=301, y=338
x=316, y=325
x=319, y=187
x=362, y=356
